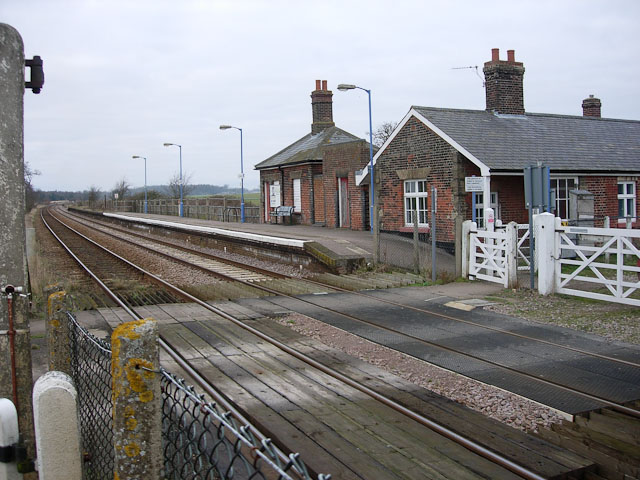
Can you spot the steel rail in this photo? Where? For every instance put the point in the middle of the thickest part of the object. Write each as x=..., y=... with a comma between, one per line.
x=606, y=402
x=440, y=429
x=219, y=397
x=389, y=302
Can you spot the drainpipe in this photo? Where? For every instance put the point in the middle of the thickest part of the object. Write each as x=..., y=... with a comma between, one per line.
x=9, y=290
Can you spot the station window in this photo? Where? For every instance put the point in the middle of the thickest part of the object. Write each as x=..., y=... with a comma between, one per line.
x=626, y=200
x=480, y=207
x=415, y=199
x=563, y=186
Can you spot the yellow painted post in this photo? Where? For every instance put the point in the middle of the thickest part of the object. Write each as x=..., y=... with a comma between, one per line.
x=137, y=402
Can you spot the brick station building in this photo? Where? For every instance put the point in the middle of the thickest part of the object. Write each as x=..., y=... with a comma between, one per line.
x=440, y=147
x=316, y=174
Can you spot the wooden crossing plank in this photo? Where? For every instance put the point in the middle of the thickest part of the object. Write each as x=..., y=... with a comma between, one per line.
x=520, y=447
x=266, y=373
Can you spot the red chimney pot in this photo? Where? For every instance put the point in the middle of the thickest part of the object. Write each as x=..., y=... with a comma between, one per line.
x=318, y=85
x=495, y=54
x=324, y=85
x=511, y=56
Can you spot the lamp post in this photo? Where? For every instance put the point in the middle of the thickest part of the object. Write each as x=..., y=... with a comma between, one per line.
x=145, y=181
x=343, y=87
x=226, y=127
x=180, y=212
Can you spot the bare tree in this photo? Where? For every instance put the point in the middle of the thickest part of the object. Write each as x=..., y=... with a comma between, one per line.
x=383, y=132
x=30, y=193
x=92, y=196
x=121, y=188
x=173, y=188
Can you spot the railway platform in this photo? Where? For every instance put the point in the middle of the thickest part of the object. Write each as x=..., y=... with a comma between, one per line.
x=337, y=248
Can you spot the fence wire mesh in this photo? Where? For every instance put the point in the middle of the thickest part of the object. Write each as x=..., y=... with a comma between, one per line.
x=91, y=372
x=200, y=442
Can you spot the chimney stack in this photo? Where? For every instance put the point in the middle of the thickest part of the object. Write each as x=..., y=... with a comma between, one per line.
x=591, y=107
x=503, y=83
x=322, y=107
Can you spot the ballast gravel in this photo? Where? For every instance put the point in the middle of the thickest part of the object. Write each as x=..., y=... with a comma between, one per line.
x=505, y=407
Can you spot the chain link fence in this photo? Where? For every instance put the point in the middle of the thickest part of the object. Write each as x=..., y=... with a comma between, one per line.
x=199, y=440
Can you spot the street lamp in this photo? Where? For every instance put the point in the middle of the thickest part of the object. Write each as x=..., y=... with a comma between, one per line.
x=180, y=147
x=343, y=87
x=226, y=127
x=145, y=181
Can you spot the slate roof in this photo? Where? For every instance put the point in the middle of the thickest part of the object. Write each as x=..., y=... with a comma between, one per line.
x=562, y=142
x=308, y=148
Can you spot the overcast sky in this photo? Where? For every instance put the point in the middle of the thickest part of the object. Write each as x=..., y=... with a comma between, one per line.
x=124, y=76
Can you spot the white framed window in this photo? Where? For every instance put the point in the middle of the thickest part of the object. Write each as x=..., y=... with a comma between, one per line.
x=415, y=198
x=297, y=198
x=480, y=207
x=626, y=200
x=562, y=187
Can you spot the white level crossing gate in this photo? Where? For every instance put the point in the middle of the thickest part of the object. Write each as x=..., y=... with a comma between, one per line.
x=598, y=263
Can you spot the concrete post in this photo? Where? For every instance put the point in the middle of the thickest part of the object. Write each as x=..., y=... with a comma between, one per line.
x=137, y=401
x=58, y=333
x=57, y=427
x=511, y=231
x=467, y=227
x=8, y=438
x=544, y=228
x=12, y=234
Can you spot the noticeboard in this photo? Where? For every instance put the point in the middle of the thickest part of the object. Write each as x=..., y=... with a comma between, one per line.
x=474, y=184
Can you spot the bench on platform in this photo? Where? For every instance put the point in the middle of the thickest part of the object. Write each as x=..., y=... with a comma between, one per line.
x=281, y=212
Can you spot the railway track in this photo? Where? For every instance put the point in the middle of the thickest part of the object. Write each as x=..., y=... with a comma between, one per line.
x=264, y=282
x=258, y=279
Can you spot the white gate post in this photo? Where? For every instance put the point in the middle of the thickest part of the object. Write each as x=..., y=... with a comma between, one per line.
x=467, y=227
x=9, y=437
x=544, y=228
x=511, y=253
x=57, y=427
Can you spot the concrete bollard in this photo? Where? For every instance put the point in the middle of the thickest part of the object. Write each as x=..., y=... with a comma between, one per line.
x=137, y=401
x=58, y=333
x=57, y=427
x=8, y=439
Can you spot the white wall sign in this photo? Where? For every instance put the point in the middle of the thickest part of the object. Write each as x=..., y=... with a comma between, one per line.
x=474, y=184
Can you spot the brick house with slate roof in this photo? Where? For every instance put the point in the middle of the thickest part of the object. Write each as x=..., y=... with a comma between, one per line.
x=440, y=147
x=316, y=174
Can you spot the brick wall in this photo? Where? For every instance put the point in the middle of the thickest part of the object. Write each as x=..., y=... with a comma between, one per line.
x=342, y=161
x=503, y=84
x=415, y=147
x=605, y=197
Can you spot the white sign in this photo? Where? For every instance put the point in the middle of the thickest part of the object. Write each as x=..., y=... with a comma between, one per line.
x=474, y=184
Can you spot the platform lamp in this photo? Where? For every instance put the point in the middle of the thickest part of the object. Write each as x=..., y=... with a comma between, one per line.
x=180, y=147
x=226, y=127
x=343, y=87
x=145, y=181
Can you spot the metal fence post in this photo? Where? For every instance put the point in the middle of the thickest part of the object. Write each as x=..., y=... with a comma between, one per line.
x=416, y=244
x=137, y=401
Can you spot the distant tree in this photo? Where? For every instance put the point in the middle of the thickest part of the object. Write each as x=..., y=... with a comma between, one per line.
x=93, y=195
x=151, y=195
x=121, y=188
x=173, y=189
x=383, y=132
x=30, y=194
